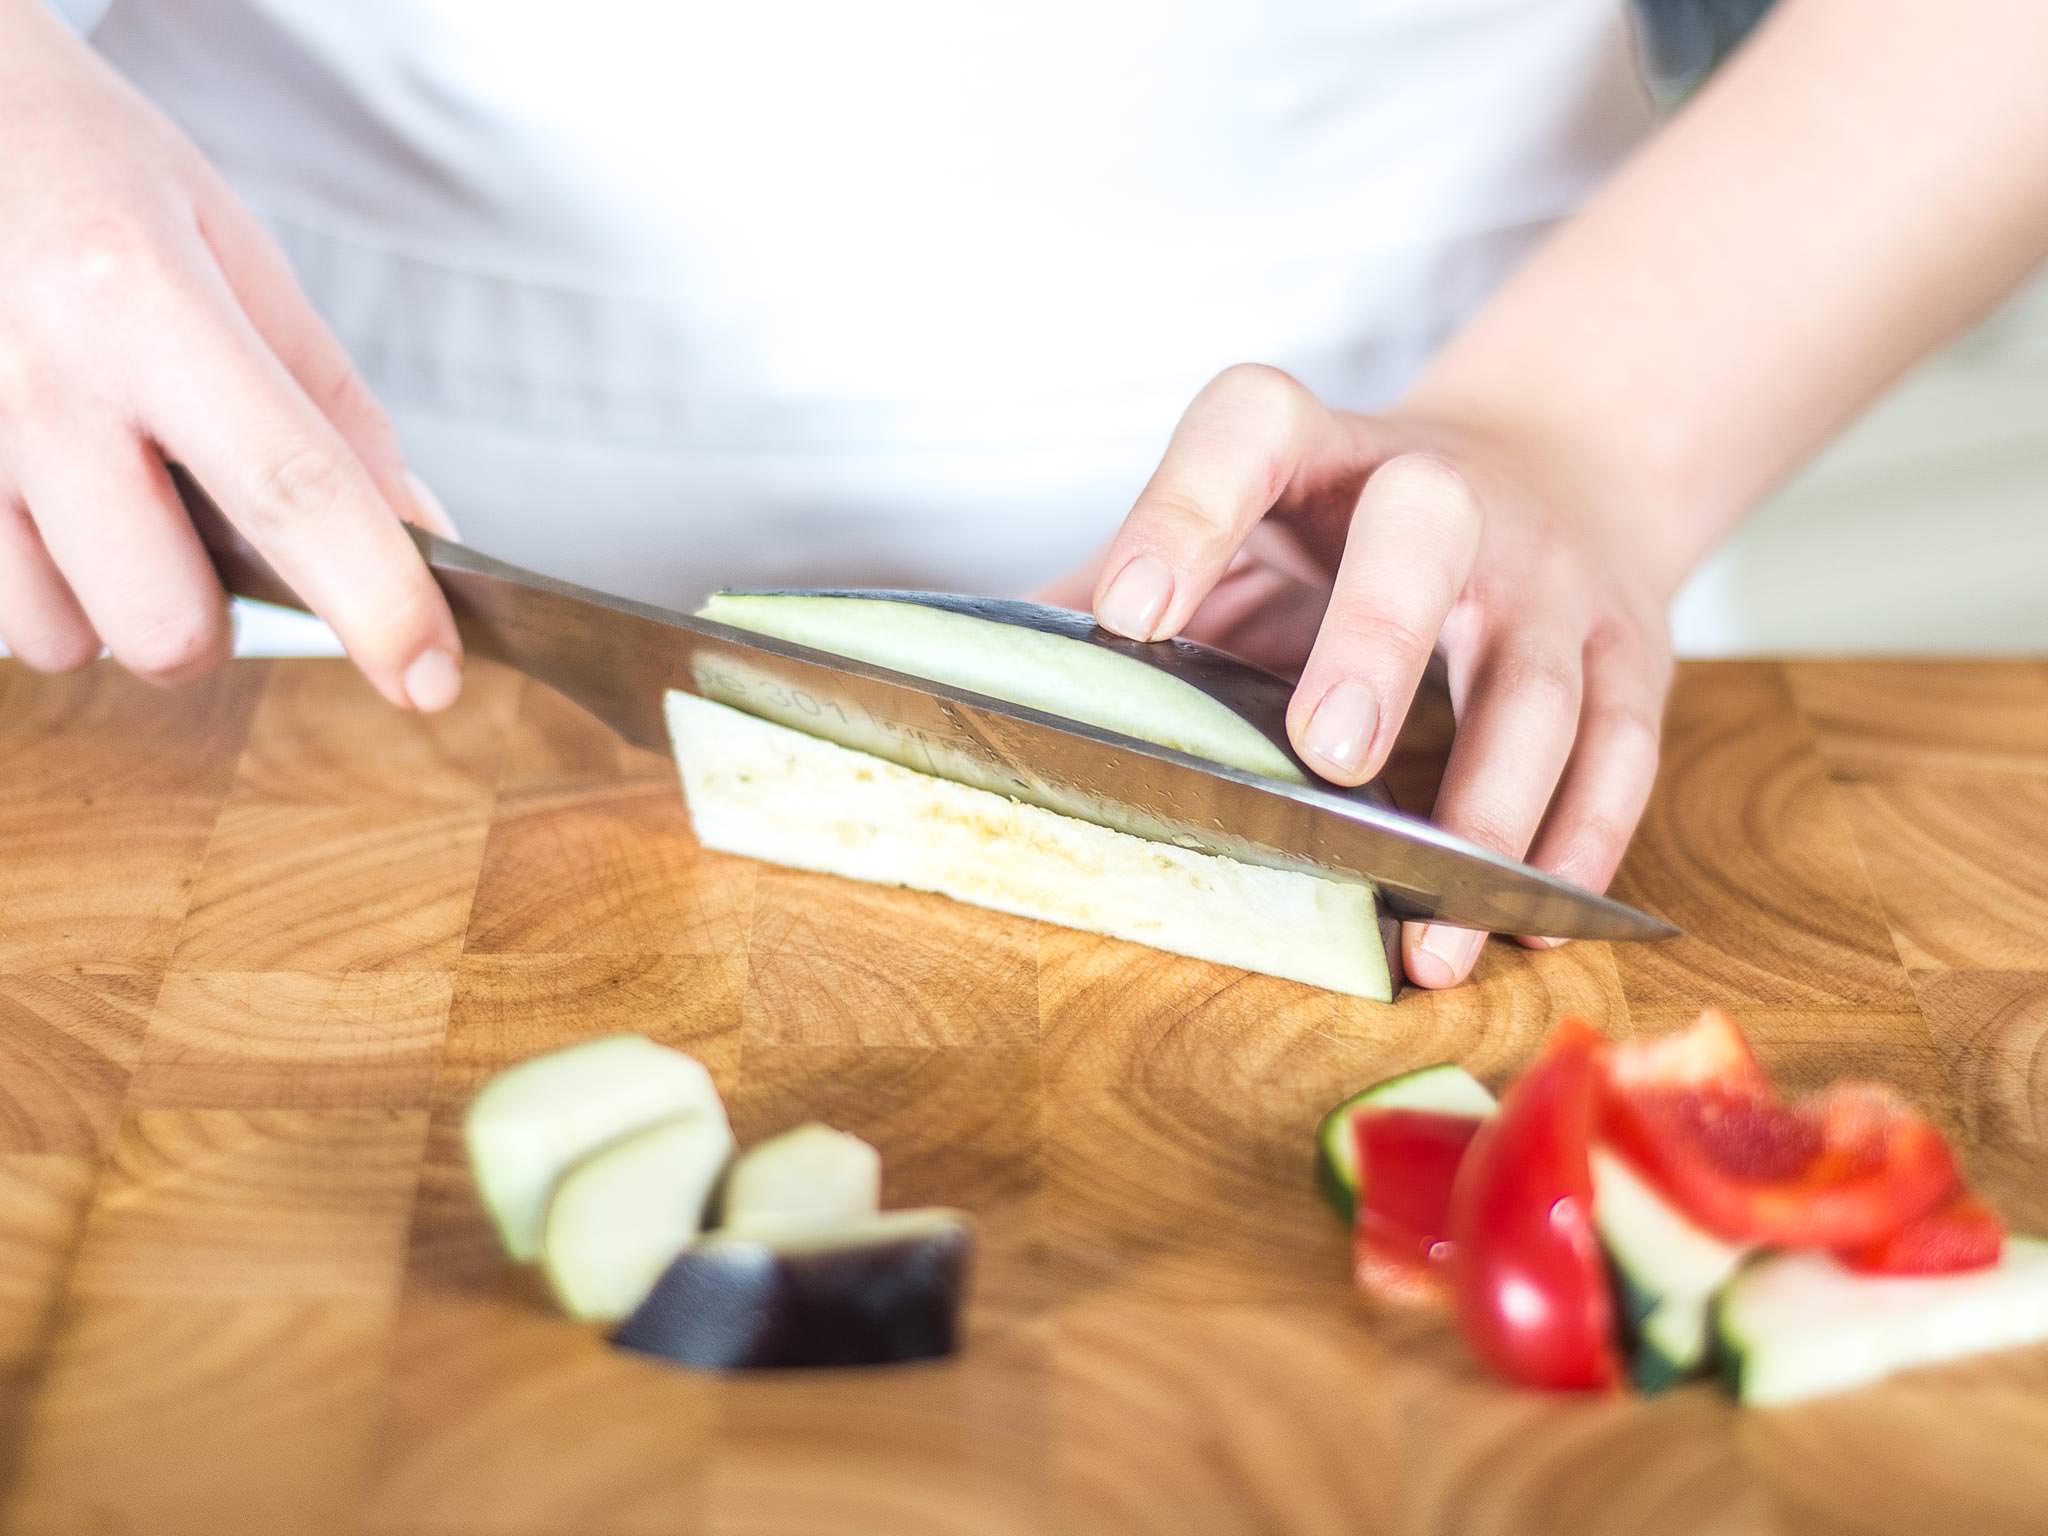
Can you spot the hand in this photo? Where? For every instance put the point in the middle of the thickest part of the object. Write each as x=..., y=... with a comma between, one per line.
x=1349, y=548
x=145, y=316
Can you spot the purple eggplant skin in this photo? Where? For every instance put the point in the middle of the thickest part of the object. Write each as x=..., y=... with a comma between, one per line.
x=875, y=1294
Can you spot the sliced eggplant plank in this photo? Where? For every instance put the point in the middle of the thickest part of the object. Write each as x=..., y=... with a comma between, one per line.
x=881, y=1291
x=1044, y=666
x=768, y=792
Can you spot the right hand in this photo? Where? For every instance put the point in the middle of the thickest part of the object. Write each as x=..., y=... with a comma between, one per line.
x=146, y=316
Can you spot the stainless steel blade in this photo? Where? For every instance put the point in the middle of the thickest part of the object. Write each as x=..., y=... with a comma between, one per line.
x=617, y=657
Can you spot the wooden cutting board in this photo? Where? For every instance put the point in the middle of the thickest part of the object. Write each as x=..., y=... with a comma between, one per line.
x=260, y=940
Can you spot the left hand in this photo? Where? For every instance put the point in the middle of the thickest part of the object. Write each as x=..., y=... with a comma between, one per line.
x=1346, y=548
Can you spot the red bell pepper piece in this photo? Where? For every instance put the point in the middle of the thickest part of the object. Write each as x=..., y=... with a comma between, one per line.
x=1407, y=1163
x=1845, y=1168
x=1528, y=1279
x=1962, y=1233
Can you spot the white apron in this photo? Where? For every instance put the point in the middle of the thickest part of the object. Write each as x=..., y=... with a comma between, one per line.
x=664, y=297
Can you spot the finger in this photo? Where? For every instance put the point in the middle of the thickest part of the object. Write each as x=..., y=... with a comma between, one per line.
x=1520, y=713
x=39, y=616
x=1233, y=456
x=263, y=283
x=1409, y=551
x=113, y=525
x=286, y=477
x=1613, y=766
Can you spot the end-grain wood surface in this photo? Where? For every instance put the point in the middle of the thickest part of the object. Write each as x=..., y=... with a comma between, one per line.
x=260, y=940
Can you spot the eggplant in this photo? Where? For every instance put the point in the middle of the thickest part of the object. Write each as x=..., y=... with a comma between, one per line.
x=880, y=1291
x=618, y=1217
x=530, y=1123
x=802, y=1180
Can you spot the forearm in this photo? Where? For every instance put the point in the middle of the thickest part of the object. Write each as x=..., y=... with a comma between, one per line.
x=1860, y=183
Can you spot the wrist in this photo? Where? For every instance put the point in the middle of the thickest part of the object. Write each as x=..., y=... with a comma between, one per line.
x=1596, y=457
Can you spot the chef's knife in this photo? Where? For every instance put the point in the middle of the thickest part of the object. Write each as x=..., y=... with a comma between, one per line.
x=617, y=657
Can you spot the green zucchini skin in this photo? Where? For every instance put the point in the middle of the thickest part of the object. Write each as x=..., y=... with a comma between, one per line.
x=1666, y=1271
x=1443, y=1088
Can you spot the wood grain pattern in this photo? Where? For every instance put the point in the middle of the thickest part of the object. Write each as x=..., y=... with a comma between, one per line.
x=260, y=941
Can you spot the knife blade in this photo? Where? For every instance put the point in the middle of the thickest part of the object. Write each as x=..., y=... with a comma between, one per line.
x=617, y=657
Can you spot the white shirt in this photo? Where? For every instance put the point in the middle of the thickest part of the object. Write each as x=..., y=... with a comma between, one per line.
x=664, y=297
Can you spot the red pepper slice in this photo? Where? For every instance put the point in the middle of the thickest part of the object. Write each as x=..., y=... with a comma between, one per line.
x=1708, y=1053
x=1961, y=1233
x=1407, y=1163
x=1528, y=1280
x=1694, y=1112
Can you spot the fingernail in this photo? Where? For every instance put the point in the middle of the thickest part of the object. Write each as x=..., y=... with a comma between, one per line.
x=432, y=512
x=433, y=681
x=1547, y=943
x=1136, y=601
x=1444, y=955
x=1341, y=728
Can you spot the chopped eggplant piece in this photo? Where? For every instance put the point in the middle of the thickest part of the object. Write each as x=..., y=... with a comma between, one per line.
x=888, y=1289
x=621, y=1215
x=810, y=1178
x=530, y=1122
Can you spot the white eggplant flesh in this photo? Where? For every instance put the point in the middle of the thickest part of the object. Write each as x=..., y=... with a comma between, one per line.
x=619, y=1217
x=1041, y=670
x=882, y=1291
x=769, y=792
x=804, y=1180
x=530, y=1123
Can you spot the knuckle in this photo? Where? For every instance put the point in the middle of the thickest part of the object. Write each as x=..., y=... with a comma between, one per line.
x=1491, y=827
x=175, y=646
x=104, y=252
x=1359, y=626
x=1544, y=678
x=1633, y=735
x=297, y=486
x=1594, y=851
x=1424, y=480
x=387, y=627
x=1182, y=509
x=1259, y=379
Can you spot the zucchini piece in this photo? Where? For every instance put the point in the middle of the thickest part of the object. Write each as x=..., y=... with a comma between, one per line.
x=810, y=1178
x=886, y=1289
x=1445, y=1089
x=767, y=791
x=1797, y=1325
x=1666, y=1269
x=619, y=1217
x=530, y=1122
